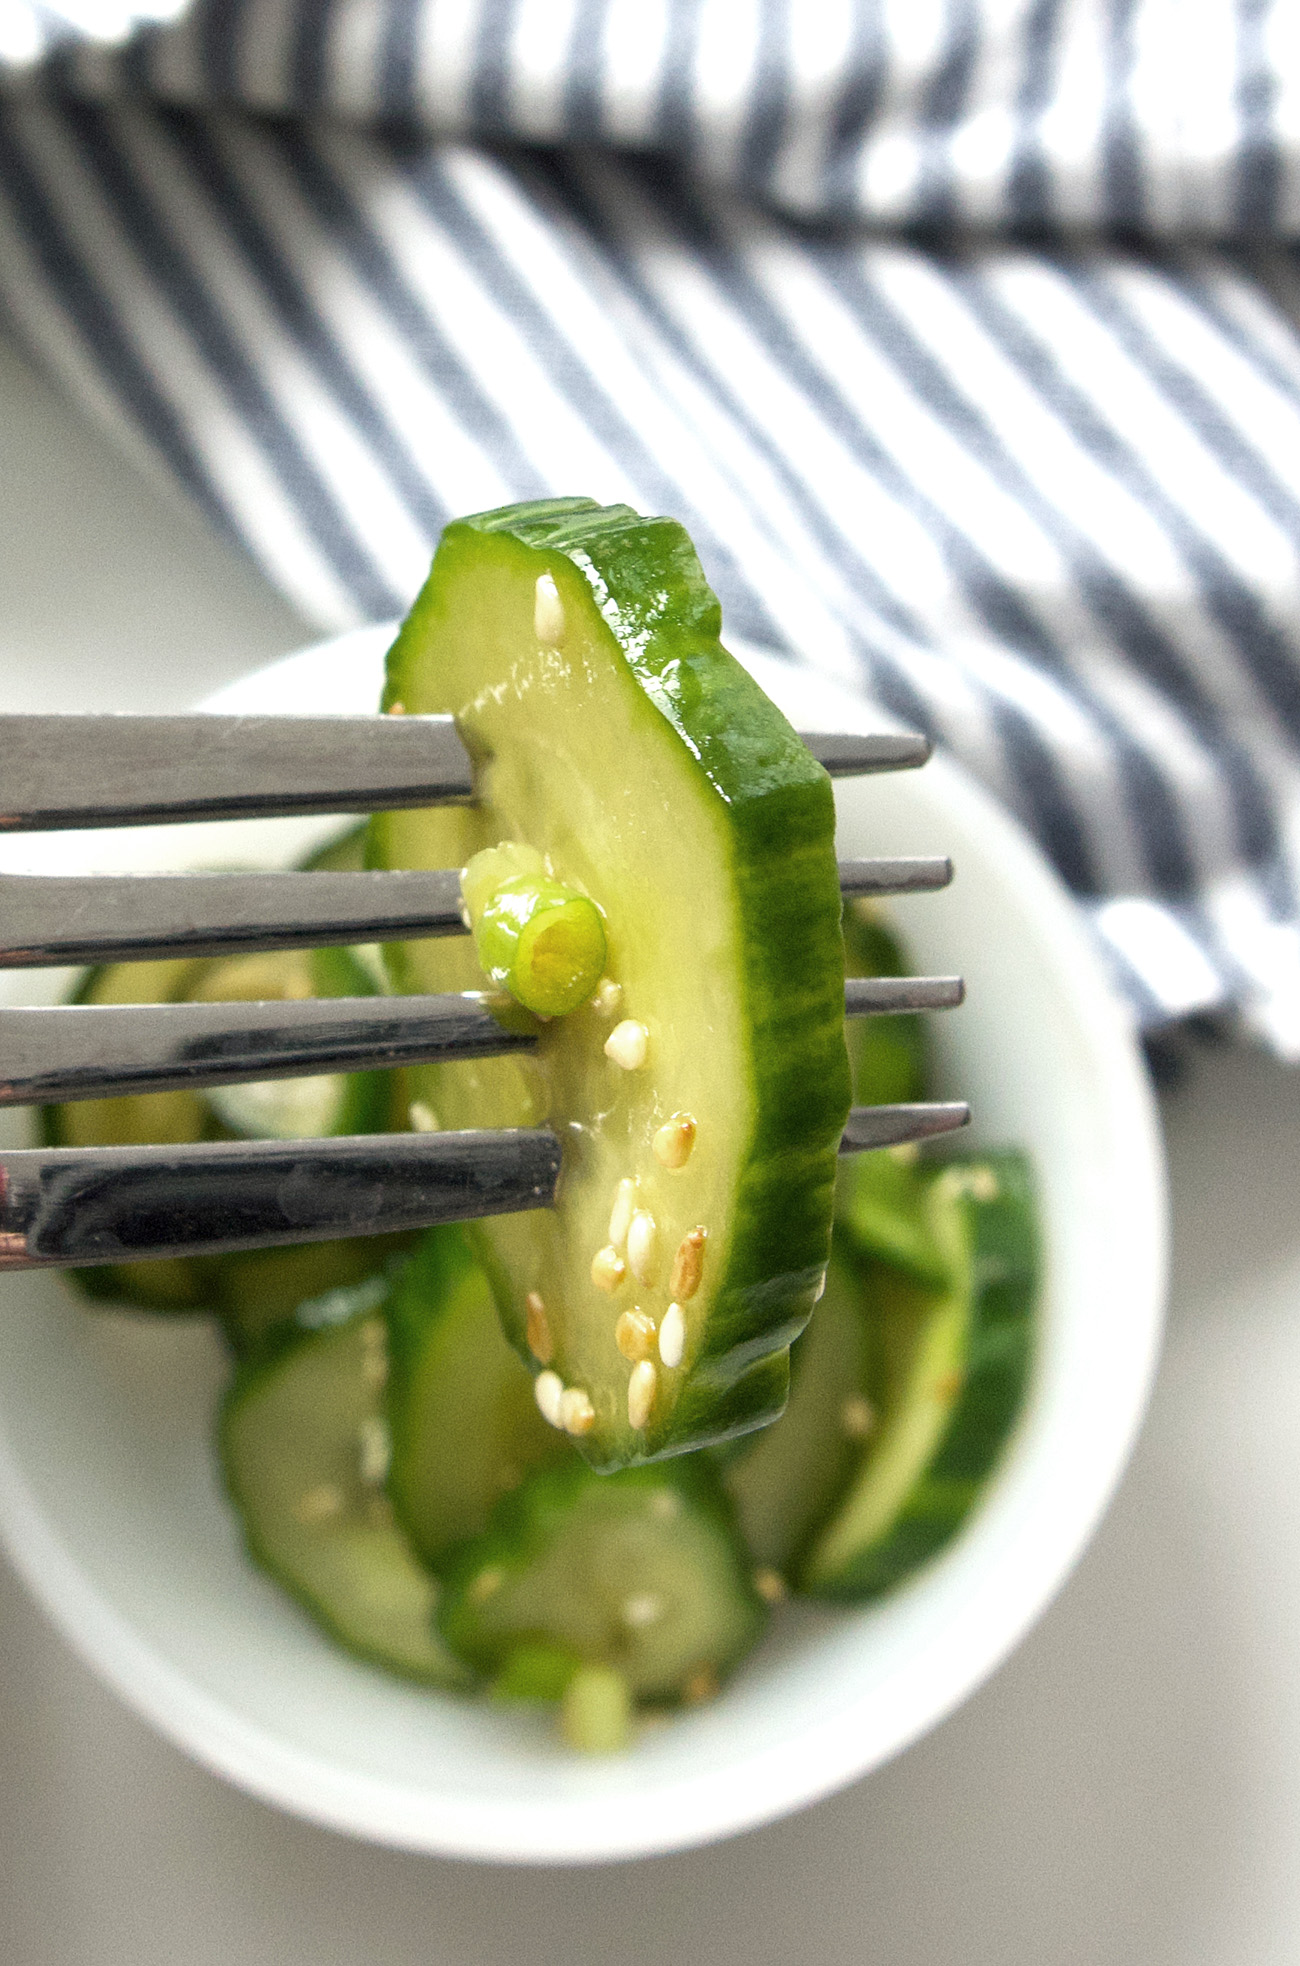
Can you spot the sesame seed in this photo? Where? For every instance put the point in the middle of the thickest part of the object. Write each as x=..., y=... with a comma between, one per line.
x=673, y=1143
x=422, y=1117
x=537, y=1328
x=948, y=1386
x=486, y=1584
x=770, y=1585
x=318, y=1505
x=641, y=1389
x=627, y=1044
x=820, y=1291
x=983, y=1184
x=641, y=1610
x=548, y=1391
x=905, y=1151
x=374, y=1450
x=665, y=1505
x=702, y=1685
x=642, y=1236
x=577, y=1414
x=857, y=1417
x=688, y=1265
x=608, y=1000
x=548, y=611
x=672, y=1336
x=397, y=709
x=634, y=1334
x=608, y=1269
x=620, y=1220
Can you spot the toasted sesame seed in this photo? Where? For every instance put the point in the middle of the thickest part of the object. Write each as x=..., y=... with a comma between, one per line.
x=608, y=1000
x=548, y=1391
x=701, y=1686
x=948, y=1386
x=906, y=1151
x=318, y=1504
x=665, y=1505
x=634, y=1334
x=608, y=1269
x=627, y=1044
x=396, y=709
x=688, y=1265
x=857, y=1417
x=642, y=1240
x=770, y=1585
x=537, y=1327
x=620, y=1220
x=486, y=1584
x=422, y=1117
x=645, y=1608
x=641, y=1389
x=673, y=1143
x=548, y=611
x=983, y=1184
x=672, y=1336
x=374, y=1450
x=577, y=1414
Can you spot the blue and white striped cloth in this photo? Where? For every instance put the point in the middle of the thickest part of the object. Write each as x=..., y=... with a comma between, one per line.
x=343, y=268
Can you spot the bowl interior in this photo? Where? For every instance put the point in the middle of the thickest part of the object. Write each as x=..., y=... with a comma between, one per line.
x=109, y=1496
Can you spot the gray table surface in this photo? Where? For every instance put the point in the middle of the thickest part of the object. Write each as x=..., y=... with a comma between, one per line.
x=1127, y=1788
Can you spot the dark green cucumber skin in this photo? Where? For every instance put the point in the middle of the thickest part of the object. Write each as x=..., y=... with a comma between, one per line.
x=1004, y=1280
x=526, y=1523
x=666, y=621
x=424, y=1293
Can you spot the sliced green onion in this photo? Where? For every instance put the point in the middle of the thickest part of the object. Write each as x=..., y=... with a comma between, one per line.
x=536, y=938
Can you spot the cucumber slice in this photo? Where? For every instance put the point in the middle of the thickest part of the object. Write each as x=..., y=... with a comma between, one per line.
x=345, y=853
x=949, y=1388
x=786, y=1481
x=882, y=1214
x=639, y=1572
x=465, y=1426
x=303, y=1444
x=577, y=646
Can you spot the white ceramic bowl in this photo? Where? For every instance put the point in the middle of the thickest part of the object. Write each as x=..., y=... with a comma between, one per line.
x=111, y=1509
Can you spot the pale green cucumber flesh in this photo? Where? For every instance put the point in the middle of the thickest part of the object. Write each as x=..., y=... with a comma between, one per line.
x=621, y=741
x=302, y=1441
x=464, y=1424
x=786, y=1480
x=640, y=1572
x=953, y=1365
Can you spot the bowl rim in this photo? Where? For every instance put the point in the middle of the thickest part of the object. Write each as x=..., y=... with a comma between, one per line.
x=772, y=1782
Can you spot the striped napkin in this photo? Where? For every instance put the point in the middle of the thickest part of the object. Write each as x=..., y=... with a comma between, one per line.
x=958, y=332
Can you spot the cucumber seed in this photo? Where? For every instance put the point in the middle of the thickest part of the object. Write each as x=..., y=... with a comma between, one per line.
x=620, y=1220
x=577, y=1414
x=374, y=1450
x=608, y=1000
x=641, y=1393
x=672, y=1337
x=642, y=1237
x=674, y=1141
x=318, y=1505
x=857, y=1417
x=627, y=1044
x=548, y=611
x=642, y=1610
x=608, y=1269
x=634, y=1334
x=548, y=1391
x=688, y=1265
x=538, y=1328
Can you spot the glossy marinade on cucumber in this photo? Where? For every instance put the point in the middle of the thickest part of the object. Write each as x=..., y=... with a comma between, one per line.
x=700, y=1091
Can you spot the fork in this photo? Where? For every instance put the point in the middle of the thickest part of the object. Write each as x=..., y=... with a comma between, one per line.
x=85, y=1205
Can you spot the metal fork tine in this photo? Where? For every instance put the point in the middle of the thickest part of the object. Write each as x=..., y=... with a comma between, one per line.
x=117, y=1204
x=56, y=1053
x=58, y=772
x=48, y=920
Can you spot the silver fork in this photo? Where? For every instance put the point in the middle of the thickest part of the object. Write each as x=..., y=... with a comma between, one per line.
x=84, y=1205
